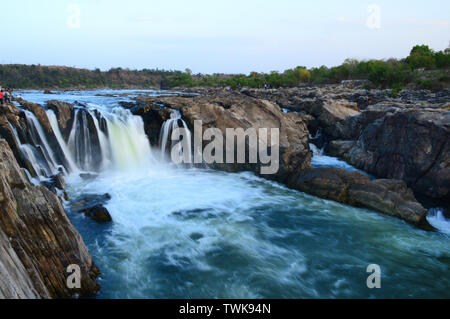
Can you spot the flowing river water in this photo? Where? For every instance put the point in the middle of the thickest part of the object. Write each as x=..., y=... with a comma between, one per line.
x=198, y=233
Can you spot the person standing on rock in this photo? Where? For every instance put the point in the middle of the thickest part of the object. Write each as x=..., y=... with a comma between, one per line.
x=7, y=96
x=1, y=97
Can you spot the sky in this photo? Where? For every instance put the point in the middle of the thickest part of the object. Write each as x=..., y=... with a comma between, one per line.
x=210, y=36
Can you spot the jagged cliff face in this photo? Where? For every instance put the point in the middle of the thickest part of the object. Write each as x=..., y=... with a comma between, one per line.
x=37, y=241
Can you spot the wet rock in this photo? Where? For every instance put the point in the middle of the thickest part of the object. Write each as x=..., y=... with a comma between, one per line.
x=41, y=115
x=35, y=226
x=391, y=197
x=327, y=182
x=339, y=148
x=98, y=213
x=409, y=145
x=48, y=92
x=154, y=116
x=89, y=200
x=65, y=114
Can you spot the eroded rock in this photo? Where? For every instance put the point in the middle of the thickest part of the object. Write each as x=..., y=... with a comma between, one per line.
x=41, y=236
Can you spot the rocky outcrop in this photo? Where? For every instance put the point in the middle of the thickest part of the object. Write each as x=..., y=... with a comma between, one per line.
x=228, y=110
x=15, y=280
x=391, y=197
x=97, y=213
x=65, y=114
x=154, y=116
x=37, y=241
x=409, y=145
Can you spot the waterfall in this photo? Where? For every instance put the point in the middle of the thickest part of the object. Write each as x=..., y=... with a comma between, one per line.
x=41, y=150
x=67, y=154
x=96, y=141
x=437, y=219
x=80, y=142
x=316, y=151
x=130, y=146
x=166, y=132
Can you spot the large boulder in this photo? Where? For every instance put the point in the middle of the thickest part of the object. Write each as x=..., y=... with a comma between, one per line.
x=391, y=197
x=97, y=213
x=34, y=225
x=327, y=182
x=409, y=145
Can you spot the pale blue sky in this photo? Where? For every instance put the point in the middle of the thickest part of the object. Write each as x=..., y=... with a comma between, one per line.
x=216, y=36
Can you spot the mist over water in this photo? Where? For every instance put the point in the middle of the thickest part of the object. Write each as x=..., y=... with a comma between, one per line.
x=198, y=233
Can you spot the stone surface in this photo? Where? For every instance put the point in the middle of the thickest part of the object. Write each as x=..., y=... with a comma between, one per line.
x=391, y=197
x=98, y=213
x=65, y=114
x=42, y=237
x=409, y=145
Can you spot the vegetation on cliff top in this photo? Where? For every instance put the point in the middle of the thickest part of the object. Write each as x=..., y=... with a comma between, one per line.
x=423, y=68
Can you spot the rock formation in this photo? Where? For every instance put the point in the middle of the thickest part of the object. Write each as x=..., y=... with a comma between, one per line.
x=391, y=197
x=37, y=240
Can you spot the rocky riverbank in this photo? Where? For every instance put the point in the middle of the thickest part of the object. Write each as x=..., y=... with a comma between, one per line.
x=37, y=241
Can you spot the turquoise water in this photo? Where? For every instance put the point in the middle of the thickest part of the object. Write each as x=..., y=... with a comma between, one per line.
x=197, y=233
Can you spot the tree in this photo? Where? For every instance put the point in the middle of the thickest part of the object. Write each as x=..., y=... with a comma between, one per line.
x=421, y=56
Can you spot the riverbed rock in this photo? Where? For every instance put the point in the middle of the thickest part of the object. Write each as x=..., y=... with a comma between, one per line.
x=409, y=145
x=339, y=148
x=154, y=116
x=97, y=213
x=65, y=115
x=12, y=118
x=232, y=110
x=390, y=197
x=327, y=182
x=42, y=237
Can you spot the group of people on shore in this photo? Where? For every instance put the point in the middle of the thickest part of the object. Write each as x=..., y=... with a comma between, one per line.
x=5, y=96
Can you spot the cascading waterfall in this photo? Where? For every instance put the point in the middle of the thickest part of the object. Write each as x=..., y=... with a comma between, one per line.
x=130, y=146
x=30, y=153
x=80, y=143
x=437, y=219
x=166, y=131
x=96, y=142
x=67, y=154
x=41, y=155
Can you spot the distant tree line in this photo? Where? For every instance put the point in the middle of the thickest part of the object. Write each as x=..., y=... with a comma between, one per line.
x=39, y=77
x=423, y=68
